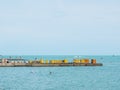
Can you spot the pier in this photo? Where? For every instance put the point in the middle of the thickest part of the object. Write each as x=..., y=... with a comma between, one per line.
x=48, y=63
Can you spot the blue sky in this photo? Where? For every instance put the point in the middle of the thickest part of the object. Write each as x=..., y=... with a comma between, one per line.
x=82, y=27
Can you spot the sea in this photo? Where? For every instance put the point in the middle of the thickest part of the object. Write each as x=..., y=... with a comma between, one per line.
x=106, y=77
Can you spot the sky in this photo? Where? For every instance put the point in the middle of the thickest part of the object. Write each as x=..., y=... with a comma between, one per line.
x=59, y=27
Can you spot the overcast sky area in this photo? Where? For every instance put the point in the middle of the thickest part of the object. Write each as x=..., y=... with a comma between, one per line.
x=59, y=27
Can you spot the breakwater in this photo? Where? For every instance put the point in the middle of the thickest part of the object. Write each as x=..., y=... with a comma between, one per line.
x=48, y=63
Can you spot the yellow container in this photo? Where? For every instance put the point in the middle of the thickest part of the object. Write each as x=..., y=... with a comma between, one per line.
x=76, y=61
x=82, y=61
x=46, y=61
x=60, y=61
x=79, y=61
x=55, y=61
x=41, y=61
x=65, y=61
x=52, y=61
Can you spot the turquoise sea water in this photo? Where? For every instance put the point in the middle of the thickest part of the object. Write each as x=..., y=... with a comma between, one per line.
x=106, y=77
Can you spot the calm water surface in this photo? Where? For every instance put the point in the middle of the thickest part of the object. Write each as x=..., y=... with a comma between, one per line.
x=106, y=77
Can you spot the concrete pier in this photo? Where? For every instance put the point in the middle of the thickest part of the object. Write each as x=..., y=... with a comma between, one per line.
x=47, y=65
x=10, y=62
